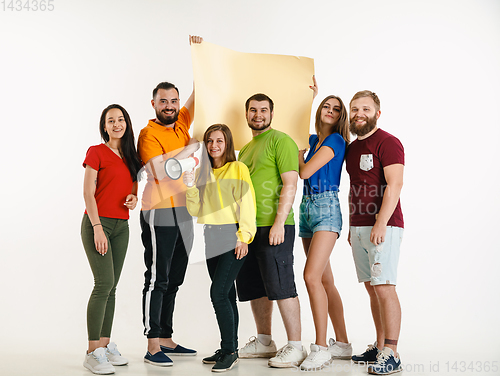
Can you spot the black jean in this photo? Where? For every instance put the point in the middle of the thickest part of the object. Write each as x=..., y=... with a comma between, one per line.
x=223, y=269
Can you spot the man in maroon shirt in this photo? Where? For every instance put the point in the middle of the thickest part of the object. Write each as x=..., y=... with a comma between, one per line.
x=375, y=163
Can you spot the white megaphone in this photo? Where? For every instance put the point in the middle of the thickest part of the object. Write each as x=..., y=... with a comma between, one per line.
x=175, y=167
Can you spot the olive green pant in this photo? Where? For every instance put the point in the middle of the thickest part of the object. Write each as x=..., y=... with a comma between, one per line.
x=106, y=270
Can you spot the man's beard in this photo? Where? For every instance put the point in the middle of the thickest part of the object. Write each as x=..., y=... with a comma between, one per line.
x=370, y=124
x=264, y=127
x=165, y=119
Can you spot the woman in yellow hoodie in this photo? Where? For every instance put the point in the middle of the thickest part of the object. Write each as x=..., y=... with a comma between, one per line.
x=223, y=198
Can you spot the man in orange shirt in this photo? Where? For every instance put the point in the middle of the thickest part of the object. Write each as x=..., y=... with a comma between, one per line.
x=167, y=227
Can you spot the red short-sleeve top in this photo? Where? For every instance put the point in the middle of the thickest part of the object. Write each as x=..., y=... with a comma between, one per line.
x=114, y=182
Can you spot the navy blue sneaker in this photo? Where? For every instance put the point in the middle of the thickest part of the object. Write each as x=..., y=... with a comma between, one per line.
x=158, y=359
x=179, y=350
x=386, y=364
x=369, y=356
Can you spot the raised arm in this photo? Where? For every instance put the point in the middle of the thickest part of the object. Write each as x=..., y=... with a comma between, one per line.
x=190, y=102
x=277, y=232
x=314, y=87
x=322, y=157
x=394, y=177
x=89, y=187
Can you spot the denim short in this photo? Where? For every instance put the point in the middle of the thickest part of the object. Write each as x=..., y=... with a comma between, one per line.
x=320, y=212
x=377, y=264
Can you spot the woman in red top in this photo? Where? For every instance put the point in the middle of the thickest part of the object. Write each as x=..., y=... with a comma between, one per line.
x=109, y=190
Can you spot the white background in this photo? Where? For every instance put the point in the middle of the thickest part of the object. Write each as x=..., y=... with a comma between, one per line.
x=435, y=66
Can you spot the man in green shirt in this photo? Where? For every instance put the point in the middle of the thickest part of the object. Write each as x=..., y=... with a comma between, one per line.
x=267, y=275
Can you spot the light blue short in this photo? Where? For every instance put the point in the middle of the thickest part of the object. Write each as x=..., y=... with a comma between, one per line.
x=320, y=212
x=376, y=264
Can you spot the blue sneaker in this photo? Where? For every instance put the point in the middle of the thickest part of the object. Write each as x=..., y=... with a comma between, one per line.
x=386, y=364
x=158, y=359
x=179, y=350
x=369, y=356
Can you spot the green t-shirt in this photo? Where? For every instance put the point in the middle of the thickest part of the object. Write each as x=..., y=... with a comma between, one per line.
x=267, y=156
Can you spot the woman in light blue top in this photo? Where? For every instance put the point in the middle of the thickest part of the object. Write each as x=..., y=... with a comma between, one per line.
x=320, y=223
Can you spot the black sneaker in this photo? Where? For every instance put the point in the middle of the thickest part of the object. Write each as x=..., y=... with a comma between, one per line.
x=225, y=362
x=212, y=359
x=369, y=356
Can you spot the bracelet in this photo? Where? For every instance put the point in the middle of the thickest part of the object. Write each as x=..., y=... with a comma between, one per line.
x=97, y=224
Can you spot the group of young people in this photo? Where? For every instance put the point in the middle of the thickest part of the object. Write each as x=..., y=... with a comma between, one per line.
x=249, y=229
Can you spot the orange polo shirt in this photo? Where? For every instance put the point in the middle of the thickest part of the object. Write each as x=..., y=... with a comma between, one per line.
x=156, y=140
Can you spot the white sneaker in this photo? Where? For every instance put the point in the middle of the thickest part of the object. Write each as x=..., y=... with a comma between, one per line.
x=256, y=349
x=114, y=356
x=98, y=363
x=339, y=352
x=287, y=357
x=317, y=359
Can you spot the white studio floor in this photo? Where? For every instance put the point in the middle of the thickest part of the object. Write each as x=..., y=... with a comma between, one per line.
x=66, y=362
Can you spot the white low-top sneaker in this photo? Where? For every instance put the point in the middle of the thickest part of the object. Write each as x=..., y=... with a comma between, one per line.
x=98, y=363
x=114, y=356
x=317, y=359
x=287, y=357
x=339, y=352
x=256, y=349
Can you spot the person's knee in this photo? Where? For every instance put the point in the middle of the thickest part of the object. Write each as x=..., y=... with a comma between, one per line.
x=115, y=283
x=217, y=296
x=327, y=281
x=105, y=286
x=176, y=278
x=171, y=289
x=162, y=286
x=385, y=291
x=289, y=303
x=112, y=292
x=312, y=279
x=370, y=289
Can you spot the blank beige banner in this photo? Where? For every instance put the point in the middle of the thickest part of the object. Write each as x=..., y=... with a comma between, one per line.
x=225, y=79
